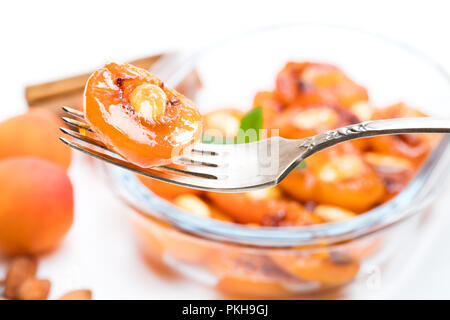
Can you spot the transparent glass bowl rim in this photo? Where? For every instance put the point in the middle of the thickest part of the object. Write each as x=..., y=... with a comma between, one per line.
x=417, y=196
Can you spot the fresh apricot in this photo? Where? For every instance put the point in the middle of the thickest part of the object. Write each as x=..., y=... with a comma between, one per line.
x=36, y=205
x=137, y=116
x=34, y=133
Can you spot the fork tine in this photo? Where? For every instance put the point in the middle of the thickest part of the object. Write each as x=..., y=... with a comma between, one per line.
x=156, y=172
x=196, y=171
x=202, y=149
x=204, y=152
x=77, y=124
x=85, y=138
x=74, y=112
x=105, y=154
x=193, y=162
x=98, y=143
x=187, y=166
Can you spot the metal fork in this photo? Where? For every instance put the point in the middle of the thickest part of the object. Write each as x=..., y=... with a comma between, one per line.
x=246, y=166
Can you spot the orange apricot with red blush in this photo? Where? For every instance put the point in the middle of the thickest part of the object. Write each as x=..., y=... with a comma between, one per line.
x=34, y=133
x=36, y=205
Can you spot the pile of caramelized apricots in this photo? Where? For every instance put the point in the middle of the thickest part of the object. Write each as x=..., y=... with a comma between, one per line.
x=136, y=112
x=333, y=185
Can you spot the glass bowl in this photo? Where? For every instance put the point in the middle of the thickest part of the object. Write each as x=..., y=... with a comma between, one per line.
x=331, y=259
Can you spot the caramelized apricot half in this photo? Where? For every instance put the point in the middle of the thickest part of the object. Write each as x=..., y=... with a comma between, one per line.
x=330, y=269
x=415, y=147
x=300, y=184
x=309, y=83
x=299, y=123
x=394, y=171
x=165, y=190
x=138, y=117
x=348, y=181
x=250, y=275
x=265, y=207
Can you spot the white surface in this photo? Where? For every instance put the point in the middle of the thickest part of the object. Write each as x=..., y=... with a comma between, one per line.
x=47, y=40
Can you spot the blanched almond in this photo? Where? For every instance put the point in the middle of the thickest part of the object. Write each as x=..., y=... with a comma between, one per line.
x=224, y=123
x=82, y=294
x=333, y=214
x=265, y=194
x=312, y=118
x=363, y=110
x=193, y=204
x=149, y=101
x=387, y=161
x=342, y=168
x=34, y=289
x=20, y=269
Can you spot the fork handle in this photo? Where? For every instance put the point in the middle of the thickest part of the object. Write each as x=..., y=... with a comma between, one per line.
x=407, y=125
x=375, y=128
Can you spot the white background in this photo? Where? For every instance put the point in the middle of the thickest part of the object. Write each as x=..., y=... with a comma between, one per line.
x=46, y=40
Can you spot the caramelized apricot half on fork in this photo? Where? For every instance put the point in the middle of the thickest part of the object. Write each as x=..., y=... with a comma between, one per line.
x=138, y=117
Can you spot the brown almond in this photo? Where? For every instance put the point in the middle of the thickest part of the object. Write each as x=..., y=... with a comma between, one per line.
x=20, y=269
x=82, y=294
x=34, y=289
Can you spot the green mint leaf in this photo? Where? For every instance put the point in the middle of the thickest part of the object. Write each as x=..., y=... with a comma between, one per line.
x=253, y=120
x=301, y=165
